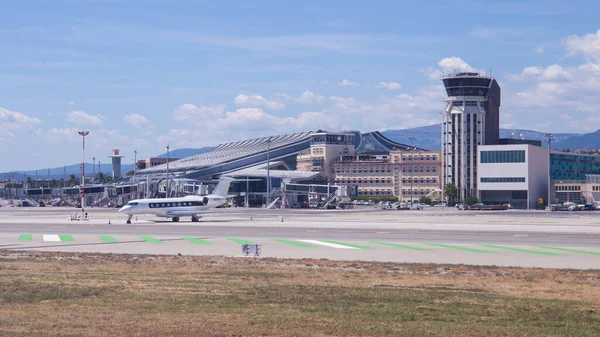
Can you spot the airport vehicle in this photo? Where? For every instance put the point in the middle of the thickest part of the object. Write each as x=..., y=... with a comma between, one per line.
x=175, y=208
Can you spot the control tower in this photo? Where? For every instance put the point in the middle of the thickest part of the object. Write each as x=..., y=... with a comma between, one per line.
x=470, y=118
x=116, y=163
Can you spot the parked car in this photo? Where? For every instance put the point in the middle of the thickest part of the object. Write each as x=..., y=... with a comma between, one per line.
x=477, y=206
x=441, y=204
x=461, y=207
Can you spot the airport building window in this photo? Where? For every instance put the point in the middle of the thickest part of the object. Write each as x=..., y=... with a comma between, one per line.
x=510, y=156
x=503, y=180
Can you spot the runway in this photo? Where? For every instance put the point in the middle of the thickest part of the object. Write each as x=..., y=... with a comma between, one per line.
x=533, y=239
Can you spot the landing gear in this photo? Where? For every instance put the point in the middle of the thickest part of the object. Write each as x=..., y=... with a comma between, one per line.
x=129, y=218
x=195, y=218
x=175, y=219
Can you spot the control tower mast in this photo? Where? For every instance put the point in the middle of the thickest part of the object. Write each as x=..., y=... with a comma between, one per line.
x=470, y=118
x=116, y=163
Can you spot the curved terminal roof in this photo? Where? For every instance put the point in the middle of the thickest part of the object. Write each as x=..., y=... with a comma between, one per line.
x=243, y=153
x=377, y=143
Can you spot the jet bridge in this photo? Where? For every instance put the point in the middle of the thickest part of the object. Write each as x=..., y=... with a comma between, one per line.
x=328, y=193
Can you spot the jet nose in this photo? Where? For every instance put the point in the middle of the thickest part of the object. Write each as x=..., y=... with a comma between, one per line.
x=124, y=209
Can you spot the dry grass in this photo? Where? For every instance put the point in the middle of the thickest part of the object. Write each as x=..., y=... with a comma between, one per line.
x=51, y=294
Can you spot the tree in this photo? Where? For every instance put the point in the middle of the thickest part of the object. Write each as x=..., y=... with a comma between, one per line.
x=129, y=173
x=470, y=200
x=72, y=180
x=29, y=182
x=426, y=200
x=450, y=191
x=101, y=177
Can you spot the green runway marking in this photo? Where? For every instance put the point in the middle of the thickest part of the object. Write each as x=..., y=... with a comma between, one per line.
x=25, y=237
x=107, y=238
x=240, y=241
x=570, y=250
x=295, y=243
x=472, y=250
x=65, y=238
x=347, y=244
x=522, y=250
x=403, y=246
x=150, y=239
x=197, y=241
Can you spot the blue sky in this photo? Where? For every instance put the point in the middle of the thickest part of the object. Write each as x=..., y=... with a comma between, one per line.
x=143, y=74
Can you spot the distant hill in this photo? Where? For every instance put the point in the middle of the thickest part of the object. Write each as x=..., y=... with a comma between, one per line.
x=428, y=137
x=587, y=141
x=186, y=152
x=59, y=172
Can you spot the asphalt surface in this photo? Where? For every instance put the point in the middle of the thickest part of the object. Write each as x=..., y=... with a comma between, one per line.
x=508, y=238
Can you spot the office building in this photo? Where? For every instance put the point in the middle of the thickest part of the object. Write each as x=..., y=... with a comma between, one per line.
x=515, y=174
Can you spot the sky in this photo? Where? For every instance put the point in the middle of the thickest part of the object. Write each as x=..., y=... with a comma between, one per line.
x=141, y=75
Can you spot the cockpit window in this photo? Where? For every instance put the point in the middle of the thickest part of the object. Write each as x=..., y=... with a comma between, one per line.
x=131, y=203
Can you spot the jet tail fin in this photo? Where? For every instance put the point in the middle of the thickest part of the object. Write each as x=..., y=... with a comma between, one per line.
x=223, y=186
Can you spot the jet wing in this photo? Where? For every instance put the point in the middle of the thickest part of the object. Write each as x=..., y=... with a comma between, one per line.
x=180, y=213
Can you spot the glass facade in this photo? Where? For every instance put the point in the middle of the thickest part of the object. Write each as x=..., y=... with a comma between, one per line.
x=511, y=156
x=503, y=180
x=571, y=166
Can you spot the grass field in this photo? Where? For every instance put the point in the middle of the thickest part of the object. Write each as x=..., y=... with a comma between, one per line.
x=61, y=294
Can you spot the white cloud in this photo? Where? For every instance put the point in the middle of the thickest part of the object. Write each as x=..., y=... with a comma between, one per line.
x=348, y=83
x=539, y=50
x=71, y=103
x=565, y=97
x=307, y=96
x=553, y=72
x=191, y=112
x=257, y=101
x=83, y=118
x=449, y=65
x=13, y=123
x=588, y=45
x=60, y=135
x=389, y=85
x=136, y=120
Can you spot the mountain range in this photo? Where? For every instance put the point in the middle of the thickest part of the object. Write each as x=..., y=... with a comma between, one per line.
x=426, y=137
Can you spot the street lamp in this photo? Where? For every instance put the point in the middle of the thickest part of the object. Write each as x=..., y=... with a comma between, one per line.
x=268, y=170
x=167, y=190
x=93, y=168
x=83, y=134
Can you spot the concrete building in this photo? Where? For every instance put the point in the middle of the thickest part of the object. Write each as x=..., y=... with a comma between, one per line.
x=516, y=174
x=116, y=163
x=407, y=175
x=151, y=162
x=325, y=148
x=470, y=118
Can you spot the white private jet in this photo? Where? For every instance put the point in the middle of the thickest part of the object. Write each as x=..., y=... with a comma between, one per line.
x=191, y=205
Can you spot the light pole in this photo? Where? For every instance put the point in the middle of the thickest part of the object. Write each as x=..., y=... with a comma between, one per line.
x=64, y=177
x=93, y=168
x=83, y=134
x=167, y=190
x=268, y=170
x=49, y=181
x=411, y=171
x=134, y=162
x=550, y=139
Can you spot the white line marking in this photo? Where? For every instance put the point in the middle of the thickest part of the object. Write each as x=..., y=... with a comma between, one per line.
x=51, y=237
x=333, y=245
